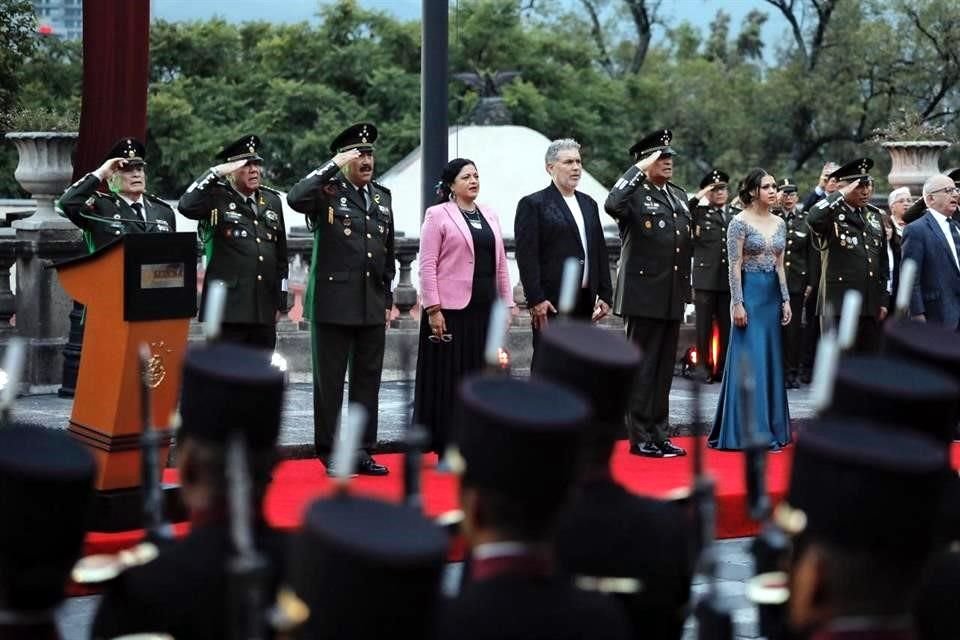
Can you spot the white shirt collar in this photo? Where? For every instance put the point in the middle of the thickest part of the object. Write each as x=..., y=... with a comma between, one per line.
x=129, y=201
x=941, y=219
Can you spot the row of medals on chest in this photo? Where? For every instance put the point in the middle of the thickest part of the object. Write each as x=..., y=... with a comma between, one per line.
x=849, y=240
x=241, y=233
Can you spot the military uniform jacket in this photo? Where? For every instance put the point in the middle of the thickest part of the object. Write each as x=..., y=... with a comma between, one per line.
x=854, y=254
x=800, y=256
x=653, y=276
x=246, y=249
x=104, y=216
x=710, y=272
x=353, y=260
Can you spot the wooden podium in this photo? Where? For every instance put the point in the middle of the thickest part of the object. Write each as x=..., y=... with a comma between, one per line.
x=140, y=289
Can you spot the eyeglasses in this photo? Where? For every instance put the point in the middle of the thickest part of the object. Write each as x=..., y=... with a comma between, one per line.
x=947, y=190
x=446, y=337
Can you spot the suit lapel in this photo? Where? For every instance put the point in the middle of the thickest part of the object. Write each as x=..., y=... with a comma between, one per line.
x=937, y=232
x=453, y=211
x=561, y=204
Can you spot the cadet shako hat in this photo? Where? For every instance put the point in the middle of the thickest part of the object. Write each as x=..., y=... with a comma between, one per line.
x=787, y=185
x=520, y=437
x=853, y=170
x=354, y=551
x=596, y=363
x=46, y=484
x=716, y=178
x=131, y=150
x=246, y=148
x=900, y=392
x=228, y=388
x=659, y=140
x=359, y=136
x=864, y=486
x=929, y=343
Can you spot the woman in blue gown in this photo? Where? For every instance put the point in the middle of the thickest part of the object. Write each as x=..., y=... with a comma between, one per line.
x=759, y=305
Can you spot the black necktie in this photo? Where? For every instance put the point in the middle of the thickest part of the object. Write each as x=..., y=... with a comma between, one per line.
x=955, y=232
x=138, y=209
x=363, y=197
x=252, y=205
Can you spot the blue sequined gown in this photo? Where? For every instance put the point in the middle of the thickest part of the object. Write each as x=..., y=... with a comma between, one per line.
x=757, y=284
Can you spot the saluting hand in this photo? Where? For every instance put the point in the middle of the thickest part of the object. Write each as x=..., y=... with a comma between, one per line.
x=110, y=167
x=643, y=163
x=344, y=158
x=226, y=168
x=703, y=192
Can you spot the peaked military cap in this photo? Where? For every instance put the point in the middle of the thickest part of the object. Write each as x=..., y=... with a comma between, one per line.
x=901, y=392
x=915, y=211
x=715, y=177
x=659, y=140
x=46, y=484
x=358, y=136
x=787, y=185
x=597, y=363
x=131, y=150
x=520, y=437
x=864, y=486
x=853, y=170
x=228, y=388
x=353, y=551
x=245, y=148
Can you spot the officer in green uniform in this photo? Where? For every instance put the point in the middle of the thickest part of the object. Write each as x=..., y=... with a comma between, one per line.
x=711, y=280
x=128, y=208
x=348, y=297
x=245, y=242
x=653, y=283
x=853, y=246
x=800, y=260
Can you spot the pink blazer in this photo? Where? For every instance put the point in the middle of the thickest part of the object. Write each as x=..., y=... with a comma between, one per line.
x=446, y=257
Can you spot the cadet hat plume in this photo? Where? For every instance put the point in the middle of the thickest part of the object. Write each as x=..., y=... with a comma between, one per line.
x=358, y=136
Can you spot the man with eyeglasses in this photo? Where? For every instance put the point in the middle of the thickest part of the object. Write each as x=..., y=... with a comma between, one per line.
x=849, y=234
x=933, y=242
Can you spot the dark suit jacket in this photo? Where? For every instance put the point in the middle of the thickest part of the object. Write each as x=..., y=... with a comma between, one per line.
x=546, y=235
x=936, y=292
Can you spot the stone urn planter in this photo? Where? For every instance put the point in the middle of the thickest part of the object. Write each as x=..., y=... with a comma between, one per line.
x=912, y=162
x=44, y=171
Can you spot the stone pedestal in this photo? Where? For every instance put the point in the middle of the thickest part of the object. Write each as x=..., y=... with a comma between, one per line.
x=912, y=162
x=43, y=308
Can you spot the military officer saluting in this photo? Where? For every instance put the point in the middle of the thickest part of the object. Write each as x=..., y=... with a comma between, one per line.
x=853, y=246
x=800, y=261
x=653, y=283
x=128, y=208
x=711, y=284
x=349, y=297
x=245, y=241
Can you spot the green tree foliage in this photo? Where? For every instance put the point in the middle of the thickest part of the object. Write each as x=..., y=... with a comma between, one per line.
x=602, y=71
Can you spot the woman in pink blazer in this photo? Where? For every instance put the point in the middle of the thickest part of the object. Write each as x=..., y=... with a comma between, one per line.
x=463, y=269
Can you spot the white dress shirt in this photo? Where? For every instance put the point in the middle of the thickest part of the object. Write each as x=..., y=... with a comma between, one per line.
x=944, y=225
x=581, y=227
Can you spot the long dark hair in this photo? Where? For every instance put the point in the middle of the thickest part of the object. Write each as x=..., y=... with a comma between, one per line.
x=751, y=184
x=447, y=177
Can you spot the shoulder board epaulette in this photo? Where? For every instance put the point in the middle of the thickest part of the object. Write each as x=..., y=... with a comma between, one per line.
x=380, y=186
x=874, y=209
x=157, y=199
x=271, y=190
x=102, y=194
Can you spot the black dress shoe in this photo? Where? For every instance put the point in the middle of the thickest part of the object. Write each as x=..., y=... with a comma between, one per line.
x=670, y=450
x=369, y=467
x=806, y=377
x=646, y=449
x=328, y=464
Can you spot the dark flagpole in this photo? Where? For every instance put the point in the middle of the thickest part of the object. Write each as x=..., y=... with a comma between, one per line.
x=433, y=98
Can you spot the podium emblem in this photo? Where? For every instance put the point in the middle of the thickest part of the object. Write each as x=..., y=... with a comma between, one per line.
x=156, y=370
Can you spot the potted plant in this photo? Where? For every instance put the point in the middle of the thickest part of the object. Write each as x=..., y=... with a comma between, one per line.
x=45, y=139
x=914, y=145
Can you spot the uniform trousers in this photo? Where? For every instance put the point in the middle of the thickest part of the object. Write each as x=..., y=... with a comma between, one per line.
x=582, y=310
x=710, y=305
x=869, y=334
x=261, y=336
x=794, y=338
x=337, y=351
x=648, y=411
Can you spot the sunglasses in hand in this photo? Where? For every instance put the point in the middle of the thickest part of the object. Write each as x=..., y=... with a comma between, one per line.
x=445, y=337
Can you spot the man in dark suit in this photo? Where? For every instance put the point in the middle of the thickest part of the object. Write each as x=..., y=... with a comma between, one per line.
x=849, y=232
x=933, y=242
x=653, y=283
x=245, y=239
x=128, y=208
x=227, y=391
x=711, y=278
x=552, y=225
x=349, y=296
x=519, y=444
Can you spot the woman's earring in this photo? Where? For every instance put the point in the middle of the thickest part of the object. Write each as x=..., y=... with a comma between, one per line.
x=452, y=197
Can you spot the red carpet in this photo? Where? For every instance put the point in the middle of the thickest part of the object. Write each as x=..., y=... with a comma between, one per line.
x=297, y=482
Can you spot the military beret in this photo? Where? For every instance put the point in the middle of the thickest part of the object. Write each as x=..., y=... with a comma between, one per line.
x=520, y=437
x=353, y=551
x=853, y=170
x=131, y=150
x=715, y=177
x=244, y=148
x=659, y=140
x=901, y=392
x=358, y=136
x=863, y=486
x=228, y=388
x=46, y=484
x=787, y=185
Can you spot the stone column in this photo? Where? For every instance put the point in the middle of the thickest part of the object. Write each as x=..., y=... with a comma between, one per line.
x=405, y=294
